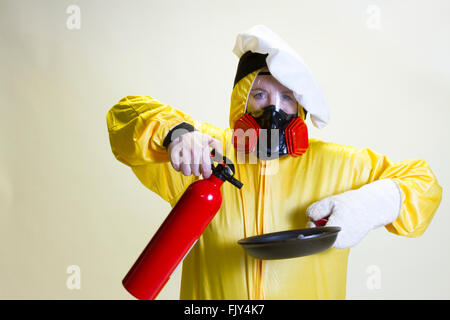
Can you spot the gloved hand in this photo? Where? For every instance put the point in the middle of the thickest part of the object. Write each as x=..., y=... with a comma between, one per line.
x=190, y=153
x=358, y=211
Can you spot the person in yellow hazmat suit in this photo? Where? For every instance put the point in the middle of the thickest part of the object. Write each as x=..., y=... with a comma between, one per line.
x=289, y=180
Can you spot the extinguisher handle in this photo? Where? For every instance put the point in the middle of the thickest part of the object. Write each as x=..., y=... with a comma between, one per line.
x=225, y=169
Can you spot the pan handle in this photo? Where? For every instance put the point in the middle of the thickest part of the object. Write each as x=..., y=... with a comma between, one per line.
x=321, y=222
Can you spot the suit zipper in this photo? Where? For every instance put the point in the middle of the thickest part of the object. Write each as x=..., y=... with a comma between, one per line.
x=259, y=294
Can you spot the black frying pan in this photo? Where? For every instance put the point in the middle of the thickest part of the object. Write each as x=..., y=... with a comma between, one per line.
x=290, y=244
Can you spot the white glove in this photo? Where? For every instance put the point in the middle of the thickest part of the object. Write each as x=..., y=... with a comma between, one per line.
x=358, y=211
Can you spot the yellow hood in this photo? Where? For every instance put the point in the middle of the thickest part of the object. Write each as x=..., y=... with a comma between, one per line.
x=239, y=98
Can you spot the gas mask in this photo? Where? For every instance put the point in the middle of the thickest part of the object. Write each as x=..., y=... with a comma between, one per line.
x=271, y=125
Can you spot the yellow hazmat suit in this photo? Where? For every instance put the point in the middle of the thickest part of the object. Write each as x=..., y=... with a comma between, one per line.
x=274, y=198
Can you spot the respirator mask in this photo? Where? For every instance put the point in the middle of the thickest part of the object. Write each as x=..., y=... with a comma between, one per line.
x=272, y=125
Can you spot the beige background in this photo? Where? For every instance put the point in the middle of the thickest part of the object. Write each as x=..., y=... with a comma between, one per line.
x=64, y=200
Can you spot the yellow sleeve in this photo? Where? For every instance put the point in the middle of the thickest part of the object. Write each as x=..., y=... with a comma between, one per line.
x=137, y=127
x=421, y=193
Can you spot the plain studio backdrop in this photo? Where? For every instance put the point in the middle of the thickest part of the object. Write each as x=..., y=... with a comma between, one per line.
x=74, y=219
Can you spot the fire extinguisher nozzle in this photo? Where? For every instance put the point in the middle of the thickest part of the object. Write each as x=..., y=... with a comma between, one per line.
x=225, y=169
x=235, y=182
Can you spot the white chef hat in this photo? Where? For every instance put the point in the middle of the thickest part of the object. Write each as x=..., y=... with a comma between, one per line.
x=287, y=67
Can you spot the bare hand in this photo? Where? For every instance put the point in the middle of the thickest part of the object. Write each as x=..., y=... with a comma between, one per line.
x=190, y=153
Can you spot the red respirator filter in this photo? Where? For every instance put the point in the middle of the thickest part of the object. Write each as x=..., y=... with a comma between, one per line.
x=246, y=134
x=246, y=140
x=296, y=134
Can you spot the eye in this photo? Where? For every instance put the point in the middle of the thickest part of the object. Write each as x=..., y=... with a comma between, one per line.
x=259, y=95
x=287, y=97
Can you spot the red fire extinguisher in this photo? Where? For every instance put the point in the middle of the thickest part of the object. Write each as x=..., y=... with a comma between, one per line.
x=179, y=232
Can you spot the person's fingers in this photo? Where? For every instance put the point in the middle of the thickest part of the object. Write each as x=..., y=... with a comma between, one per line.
x=195, y=160
x=175, y=155
x=320, y=209
x=191, y=154
x=186, y=161
x=215, y=144
x=311, y=224
x=206, y=163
